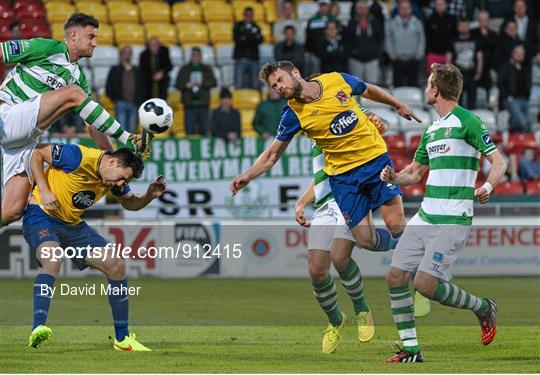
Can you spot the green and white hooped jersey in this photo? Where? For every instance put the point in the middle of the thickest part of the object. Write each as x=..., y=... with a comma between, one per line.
x=323, y=192
x=452, y=147
x=42, y=65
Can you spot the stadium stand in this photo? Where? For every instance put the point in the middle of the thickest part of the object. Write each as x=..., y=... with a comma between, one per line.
x=152, y=11
x=217, y=11
x=187, y=12
x=123, y=11
x=192, y=33
x=164, y=31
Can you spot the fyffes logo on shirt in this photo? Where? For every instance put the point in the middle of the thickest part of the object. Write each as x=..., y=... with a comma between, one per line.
x=83, y=199
x=344, y=123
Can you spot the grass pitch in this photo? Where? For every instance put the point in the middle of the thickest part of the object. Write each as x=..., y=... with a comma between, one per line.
x=216, y=325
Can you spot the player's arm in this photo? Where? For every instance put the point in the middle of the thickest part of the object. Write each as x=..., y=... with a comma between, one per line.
x=43, y=154
x=495, y=176
x=288, y=126
x=262, y=165
x=1, y=56
x=134, y=202
x=377, y=94
x=412, y=174
x=306, y=198
x=102, y=140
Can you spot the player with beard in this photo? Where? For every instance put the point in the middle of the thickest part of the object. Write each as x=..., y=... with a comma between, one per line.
x=324, y=108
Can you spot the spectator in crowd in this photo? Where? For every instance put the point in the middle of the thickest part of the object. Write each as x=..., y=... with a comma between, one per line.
x=225, y=120
x=440, y=29
x=124, y=88
x=465, y=53
x=529, y=165
x=268, y=114
x=289, y=49
x=514, y=81
x=508, y=39
x=194, y=82
x=487, y=41
x=287, y=18
x=511, y=173
x=405, y=44
x=155, y=64
x=315, y=28
x=247, y=38
x=415, y=10
x=375, y=10
x=332, y=53
x=364, y=41
x=527, y=29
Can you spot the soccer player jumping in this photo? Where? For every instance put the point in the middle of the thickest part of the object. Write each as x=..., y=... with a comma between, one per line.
x=46, y=83
x=78, y=177
x=353, y=149
x=451, y=147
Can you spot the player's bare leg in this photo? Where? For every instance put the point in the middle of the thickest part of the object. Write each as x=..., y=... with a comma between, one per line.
x=14, y=198
x=394, y=216
x=364, y=233
x=115, y=270
x=43, y=290
x=351, y=278
x=54, y=104
x=325, y=292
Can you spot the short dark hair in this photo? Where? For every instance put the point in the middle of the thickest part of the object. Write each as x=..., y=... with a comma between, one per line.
x=289, y=27
x=81, y=19
x=270, y=68
x=225, y=93
x=248, y=9
x=14, y=24
x=128, y=159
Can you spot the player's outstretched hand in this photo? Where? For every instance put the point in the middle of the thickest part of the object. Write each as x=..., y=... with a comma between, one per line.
x=388, y=174
x=300, y=218
x=482, y=195
x=381, y=126
x=157, y=188
x=407, y=113
x=49, y=200
x=239, y=183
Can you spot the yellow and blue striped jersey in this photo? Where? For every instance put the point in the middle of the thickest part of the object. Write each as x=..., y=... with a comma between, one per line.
x=74, y=179
x=335, y=122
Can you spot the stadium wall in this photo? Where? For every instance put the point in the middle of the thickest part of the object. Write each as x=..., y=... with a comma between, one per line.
x=250, y=249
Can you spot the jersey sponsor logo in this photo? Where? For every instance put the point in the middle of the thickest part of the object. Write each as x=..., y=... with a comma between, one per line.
x=442, y=148
x=83, y=199
x=342, y=97
x=53, y=82
x=14, y=48
x=344, y=123
x=486, y=139
x=57, y=152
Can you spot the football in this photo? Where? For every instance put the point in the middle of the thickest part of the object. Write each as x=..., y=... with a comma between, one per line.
x=155, y=115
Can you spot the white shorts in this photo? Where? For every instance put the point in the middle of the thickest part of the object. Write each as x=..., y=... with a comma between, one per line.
x=18, y=136
x=326, y=224
x=430, y=248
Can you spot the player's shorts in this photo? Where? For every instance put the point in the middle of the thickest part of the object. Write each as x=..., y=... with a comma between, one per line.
x=327, y=223
x=430, y=248
x=38, y=228
x=361, y=189
x=18, y=136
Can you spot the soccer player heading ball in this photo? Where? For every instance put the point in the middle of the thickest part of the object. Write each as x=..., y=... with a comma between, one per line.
x=354, y=154
x=46, y=83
